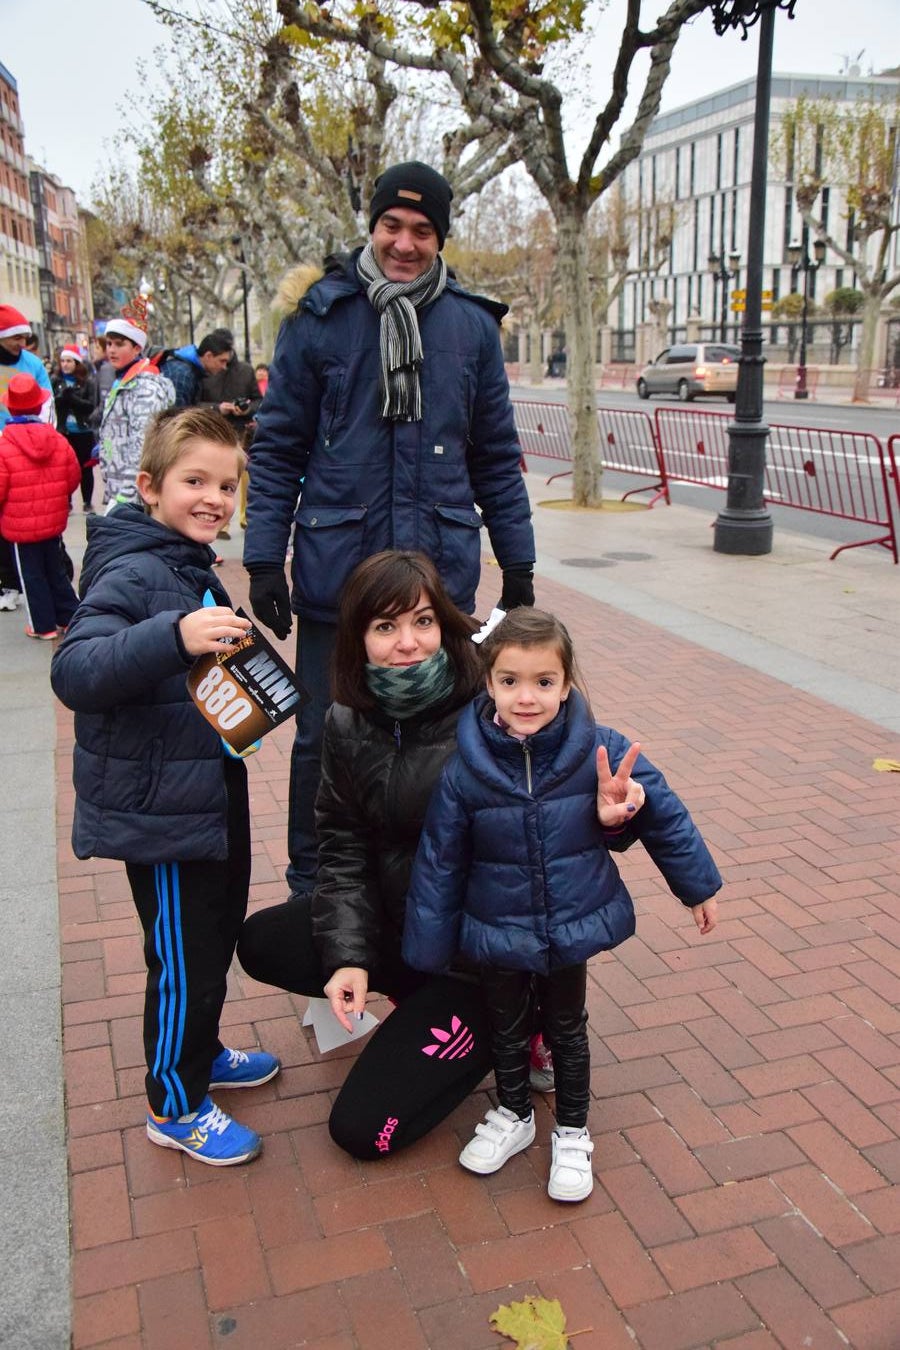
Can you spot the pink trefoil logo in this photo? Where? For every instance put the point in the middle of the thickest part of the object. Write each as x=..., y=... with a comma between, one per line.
x=452, y=1044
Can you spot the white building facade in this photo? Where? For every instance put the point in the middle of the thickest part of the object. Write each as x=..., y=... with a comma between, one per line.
x=698, y=158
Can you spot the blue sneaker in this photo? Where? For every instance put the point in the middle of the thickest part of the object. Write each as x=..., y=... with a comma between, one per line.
x=208, y=1135
x=242, y=1068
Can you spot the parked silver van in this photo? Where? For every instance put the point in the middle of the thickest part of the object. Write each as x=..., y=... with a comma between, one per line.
x=691, y=369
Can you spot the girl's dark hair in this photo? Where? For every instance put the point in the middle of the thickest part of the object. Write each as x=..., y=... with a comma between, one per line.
x=390, y=583
x=533, y=628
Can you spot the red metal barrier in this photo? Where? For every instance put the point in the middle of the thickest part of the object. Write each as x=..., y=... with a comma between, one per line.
x=789, y=376
x=629, y=444
x=543, y=431
x=617, y=377
x=627, y=436
x=846, y=474
x=892, y=453
x=694, y=445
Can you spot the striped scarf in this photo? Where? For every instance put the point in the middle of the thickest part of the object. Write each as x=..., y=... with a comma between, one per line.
x=401, y=345
x=401, y=691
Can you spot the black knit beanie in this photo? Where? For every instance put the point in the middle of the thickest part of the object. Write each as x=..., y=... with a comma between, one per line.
x=417, y=187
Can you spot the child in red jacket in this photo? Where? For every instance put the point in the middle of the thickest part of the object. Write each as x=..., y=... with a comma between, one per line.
x=38, y=474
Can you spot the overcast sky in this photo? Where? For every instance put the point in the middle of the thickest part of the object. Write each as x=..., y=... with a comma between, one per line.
x=75, y=64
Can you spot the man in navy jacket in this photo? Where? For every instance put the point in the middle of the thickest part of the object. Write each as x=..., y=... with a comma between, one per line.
x=388, y=416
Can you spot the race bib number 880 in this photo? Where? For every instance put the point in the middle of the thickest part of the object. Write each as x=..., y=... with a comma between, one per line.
x=222, y=699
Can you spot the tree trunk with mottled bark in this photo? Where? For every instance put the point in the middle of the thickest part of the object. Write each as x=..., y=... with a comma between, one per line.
x=574, y=275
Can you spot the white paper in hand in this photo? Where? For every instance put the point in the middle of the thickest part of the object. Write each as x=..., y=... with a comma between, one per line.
x=328, y=1030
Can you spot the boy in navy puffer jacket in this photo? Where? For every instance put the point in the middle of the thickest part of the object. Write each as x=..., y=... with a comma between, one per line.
x=513, y=872
x=37, y=478
x=154, y=785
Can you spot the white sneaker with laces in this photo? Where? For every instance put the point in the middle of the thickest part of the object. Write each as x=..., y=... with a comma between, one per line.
x=9, y=599
x=496, y=1139
x=571, y=1176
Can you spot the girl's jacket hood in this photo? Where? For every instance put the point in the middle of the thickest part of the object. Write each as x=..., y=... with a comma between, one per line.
x=128, y=530
x=556, y=751
x=35, y=440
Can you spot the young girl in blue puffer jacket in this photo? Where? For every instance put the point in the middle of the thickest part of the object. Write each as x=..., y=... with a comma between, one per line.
x=514, y=873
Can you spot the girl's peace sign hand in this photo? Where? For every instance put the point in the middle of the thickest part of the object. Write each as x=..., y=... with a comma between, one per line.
x=619, y=796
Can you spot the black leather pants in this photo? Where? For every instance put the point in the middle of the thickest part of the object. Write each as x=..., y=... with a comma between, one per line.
x=509, y=996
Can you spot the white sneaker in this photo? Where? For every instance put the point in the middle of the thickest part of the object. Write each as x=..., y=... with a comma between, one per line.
x=571, y=1177
x=496, y=1140
x=9, y=599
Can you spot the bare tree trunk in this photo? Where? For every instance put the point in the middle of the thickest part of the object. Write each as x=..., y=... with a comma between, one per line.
x=535, y=363
x=866, y=355
x=574, y=275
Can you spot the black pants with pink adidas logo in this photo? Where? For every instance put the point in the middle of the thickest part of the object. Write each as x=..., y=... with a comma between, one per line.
x=419, y=1064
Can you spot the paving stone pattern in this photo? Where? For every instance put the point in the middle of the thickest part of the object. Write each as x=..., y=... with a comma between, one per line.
x=746, y=1086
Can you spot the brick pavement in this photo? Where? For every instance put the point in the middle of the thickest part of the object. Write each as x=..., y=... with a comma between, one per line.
x=746, y=1086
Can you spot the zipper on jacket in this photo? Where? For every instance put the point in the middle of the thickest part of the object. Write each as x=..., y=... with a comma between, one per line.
x=397, y=735
x=526, y=751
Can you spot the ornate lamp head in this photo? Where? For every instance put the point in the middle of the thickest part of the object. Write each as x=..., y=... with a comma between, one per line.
x=744, y=13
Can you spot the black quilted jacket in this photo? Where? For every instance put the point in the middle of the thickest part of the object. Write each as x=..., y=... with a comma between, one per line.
x=377, y=778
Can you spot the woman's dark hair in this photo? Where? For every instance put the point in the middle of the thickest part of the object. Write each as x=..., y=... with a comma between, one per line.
x=390, y=583
x=526, y=627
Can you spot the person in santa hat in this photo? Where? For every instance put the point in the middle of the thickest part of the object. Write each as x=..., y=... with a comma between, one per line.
x=15, y=360
x=137, y=393
x=76, y=397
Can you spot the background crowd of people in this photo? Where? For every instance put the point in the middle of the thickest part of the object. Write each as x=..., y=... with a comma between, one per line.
x=102, y=400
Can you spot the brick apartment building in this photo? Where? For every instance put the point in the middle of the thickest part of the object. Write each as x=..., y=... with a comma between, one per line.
x=43, y=256
x=64, y=273
x=19, y=257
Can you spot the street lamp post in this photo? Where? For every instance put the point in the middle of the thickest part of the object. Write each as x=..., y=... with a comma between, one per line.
x=723, y=275
x=238, y=243
x=801, y=262
x=744, y=526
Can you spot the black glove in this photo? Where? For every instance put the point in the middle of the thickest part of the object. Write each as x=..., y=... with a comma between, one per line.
x=518, y=588
x=270, y=599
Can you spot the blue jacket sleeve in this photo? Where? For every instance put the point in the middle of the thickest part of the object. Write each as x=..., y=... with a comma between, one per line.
x=665, y=828
x=437, y=888
x=495, y=456
x=285, y=433
x=112, y=653
x=184, y=379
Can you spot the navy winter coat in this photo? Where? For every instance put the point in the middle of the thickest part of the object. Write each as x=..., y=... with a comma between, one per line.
x=184, y=369
x=148, y=767
x=369, y=483
x=513, y=868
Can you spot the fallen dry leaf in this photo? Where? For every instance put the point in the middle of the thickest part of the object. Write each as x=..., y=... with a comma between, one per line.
x=534, y=1324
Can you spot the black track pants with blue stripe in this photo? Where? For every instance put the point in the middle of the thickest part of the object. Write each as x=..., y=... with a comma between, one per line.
x=191, y=914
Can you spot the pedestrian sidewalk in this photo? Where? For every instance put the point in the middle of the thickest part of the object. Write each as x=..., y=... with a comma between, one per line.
x=746, y=1087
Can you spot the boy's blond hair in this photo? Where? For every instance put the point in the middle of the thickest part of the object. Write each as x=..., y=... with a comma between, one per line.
x=170, y=432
